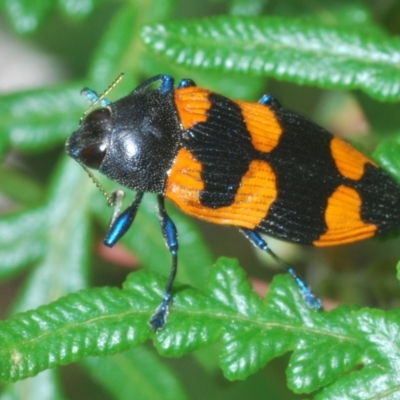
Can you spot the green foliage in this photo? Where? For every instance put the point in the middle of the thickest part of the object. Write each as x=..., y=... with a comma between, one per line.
x=46, y=238
x=327, y=347
x=124, y=380
x=26, y=16
x=330, y=57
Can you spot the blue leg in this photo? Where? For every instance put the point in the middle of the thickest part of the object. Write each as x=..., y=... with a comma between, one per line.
x=269, y=100
x=170, y=234
x=92, y=96
x=167, y=83
x=310, y=298
x=184, y=83
x=121, y=223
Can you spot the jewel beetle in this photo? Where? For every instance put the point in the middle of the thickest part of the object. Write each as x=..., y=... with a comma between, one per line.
x=256, y=166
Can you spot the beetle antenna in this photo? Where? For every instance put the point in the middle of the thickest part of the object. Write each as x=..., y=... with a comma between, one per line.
x=98, y=99
x=110, y=199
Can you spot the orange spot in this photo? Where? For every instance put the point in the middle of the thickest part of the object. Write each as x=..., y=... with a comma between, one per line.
x=349, y=161
x=192, y=104
x=262, y=124
x=343, y=219
x=256, y=193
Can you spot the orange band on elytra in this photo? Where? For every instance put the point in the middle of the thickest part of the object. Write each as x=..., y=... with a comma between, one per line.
x=342, y=216
x=262, y=124
x=192, y=104
x=349, y=161
x=264, y=129
x=253, y=199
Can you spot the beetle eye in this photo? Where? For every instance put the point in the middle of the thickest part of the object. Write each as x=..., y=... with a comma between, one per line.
x=93, y=155
x=99, y=116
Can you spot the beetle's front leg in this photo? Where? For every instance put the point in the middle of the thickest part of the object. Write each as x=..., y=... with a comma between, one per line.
x=121, y=222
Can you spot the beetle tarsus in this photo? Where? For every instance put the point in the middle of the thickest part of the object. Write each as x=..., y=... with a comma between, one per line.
x=310, y=298
x=159, y=318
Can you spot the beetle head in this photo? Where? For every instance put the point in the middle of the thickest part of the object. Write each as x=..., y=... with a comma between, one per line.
x=133, y=141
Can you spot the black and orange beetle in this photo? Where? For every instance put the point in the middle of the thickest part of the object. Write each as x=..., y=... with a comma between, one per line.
x=256, y=166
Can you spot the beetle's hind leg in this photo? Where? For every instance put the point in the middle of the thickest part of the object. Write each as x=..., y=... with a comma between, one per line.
x=310, y=298
x=271, y=101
